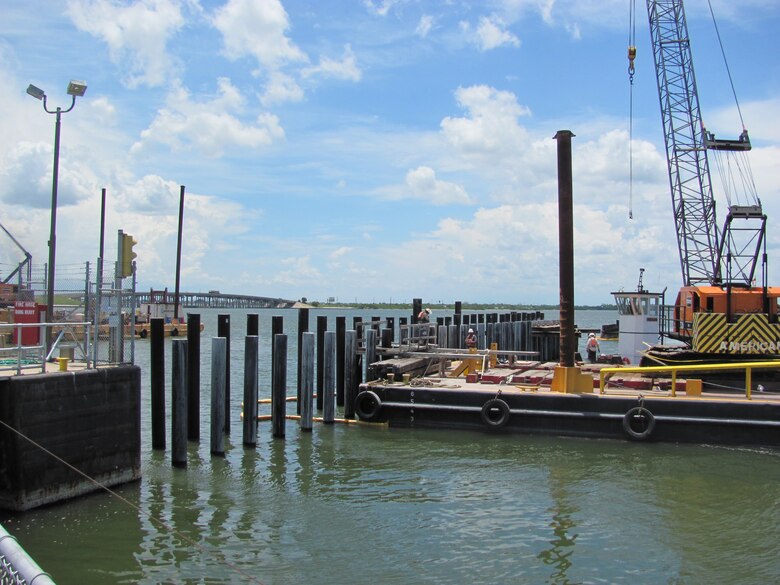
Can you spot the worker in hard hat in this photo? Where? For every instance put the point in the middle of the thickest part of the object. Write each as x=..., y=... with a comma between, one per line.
x=424, y=316
x=592, y=347
x=471, y=339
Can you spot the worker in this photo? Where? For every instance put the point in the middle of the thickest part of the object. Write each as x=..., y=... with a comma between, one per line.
x=471, y=339
x=592, y=347
x=424, y=316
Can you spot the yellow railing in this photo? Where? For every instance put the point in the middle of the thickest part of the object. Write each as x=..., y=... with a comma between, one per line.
x=747, y=366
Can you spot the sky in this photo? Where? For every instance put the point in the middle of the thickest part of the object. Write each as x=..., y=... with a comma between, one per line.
x=367, y=150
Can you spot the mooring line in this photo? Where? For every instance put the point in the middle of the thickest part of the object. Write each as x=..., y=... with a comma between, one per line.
x=138, y=509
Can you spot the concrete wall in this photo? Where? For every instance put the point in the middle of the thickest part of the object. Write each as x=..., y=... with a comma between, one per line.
x=91, y=419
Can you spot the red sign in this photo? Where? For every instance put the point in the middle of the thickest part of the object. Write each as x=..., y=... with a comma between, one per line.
x=28, y=312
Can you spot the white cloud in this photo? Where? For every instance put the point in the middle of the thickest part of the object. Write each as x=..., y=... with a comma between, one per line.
x=340, y=252
x=26, y=175
x=424, y=26
x=490, y=33
x=150, y=194
x=423, y=184
x=380, y=8
x=136, y=35
x=347, y=68
x=101, y=111
x=281, y=88
x=259, y=30
x=298, y=272
x=209, y=126
x=491, y=125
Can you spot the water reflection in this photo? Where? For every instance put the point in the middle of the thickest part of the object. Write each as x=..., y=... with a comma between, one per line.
x=562, y=545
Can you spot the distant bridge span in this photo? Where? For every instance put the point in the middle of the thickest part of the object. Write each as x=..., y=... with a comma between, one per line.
x=214, y=300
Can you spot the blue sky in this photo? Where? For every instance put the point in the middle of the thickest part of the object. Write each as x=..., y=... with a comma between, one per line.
x=367, y=150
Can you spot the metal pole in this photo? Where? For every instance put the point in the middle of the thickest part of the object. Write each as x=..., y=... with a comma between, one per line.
x=341, y=327
x=193, y=376
x=218, y=360
x=329, y=374
x=53, y=232
x=322, y=327
x=279, y=386
x=157, y=367
x=350, y=361
x=303, y=327
x=370, y=354
x=99, y=280
x=251, y=347
x=223, y=330
x=566, y=243
x=307, y=380
x=179, y=403
x=178, y=255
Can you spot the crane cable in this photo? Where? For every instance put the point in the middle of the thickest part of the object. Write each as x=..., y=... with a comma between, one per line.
x=722, y=161
x=726, y=63
x=631, y=57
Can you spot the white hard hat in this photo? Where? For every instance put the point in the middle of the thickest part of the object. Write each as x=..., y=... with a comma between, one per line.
x=591, y=335
x=471, y=331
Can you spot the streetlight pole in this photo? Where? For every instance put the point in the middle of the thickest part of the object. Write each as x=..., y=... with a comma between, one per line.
x=75, y=88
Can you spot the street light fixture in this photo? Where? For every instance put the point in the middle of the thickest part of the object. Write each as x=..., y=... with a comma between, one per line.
x=75, y=89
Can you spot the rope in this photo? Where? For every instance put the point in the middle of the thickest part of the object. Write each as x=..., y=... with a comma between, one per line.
x=127, y=502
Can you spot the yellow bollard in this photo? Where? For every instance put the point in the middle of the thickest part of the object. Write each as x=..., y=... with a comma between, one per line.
x=63, y=364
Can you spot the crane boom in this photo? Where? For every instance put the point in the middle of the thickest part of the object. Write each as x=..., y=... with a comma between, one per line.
x=705, y=258
x=684, y=135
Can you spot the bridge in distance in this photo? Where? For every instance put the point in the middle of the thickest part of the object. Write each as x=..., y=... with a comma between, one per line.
x=214, y=300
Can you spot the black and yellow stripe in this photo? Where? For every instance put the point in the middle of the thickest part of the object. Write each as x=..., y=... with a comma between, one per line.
x=750, y=334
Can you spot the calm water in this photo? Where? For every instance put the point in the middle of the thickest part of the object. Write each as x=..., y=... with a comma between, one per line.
x=363, y=504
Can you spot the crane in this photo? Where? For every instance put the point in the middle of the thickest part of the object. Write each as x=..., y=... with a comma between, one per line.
x=718, y=268
x=26, y=262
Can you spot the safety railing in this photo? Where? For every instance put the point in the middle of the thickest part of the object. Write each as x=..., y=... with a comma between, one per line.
x=16, y=566
x=417, y=335
x=674, y=370
x=21, y=356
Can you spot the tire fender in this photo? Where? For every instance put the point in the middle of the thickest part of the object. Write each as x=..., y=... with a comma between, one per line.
x=639, y=423
x=368, y=405
x=495, y=413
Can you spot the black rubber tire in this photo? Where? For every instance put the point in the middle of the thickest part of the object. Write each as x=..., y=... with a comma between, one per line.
x=639, y=423
x=174, y=332
x=368, y=405
x=495, y=413
x=143, y=334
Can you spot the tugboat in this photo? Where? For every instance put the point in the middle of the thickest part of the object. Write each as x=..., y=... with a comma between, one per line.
x=639, y=321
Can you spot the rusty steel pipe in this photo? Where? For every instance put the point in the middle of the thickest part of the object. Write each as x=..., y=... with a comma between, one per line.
x=568, y=341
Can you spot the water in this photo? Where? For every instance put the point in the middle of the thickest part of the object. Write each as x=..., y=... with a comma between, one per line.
x=365, y=504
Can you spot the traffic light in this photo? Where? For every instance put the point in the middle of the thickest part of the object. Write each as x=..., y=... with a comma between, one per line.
x=126, y=255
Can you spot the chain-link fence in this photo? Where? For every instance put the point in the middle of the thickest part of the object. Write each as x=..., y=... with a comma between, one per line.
x=16, y=566
x=92, y=321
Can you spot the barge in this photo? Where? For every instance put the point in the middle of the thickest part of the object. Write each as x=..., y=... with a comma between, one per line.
x=521, y=400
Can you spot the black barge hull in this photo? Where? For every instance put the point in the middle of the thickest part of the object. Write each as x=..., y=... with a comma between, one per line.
x=711, y=420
